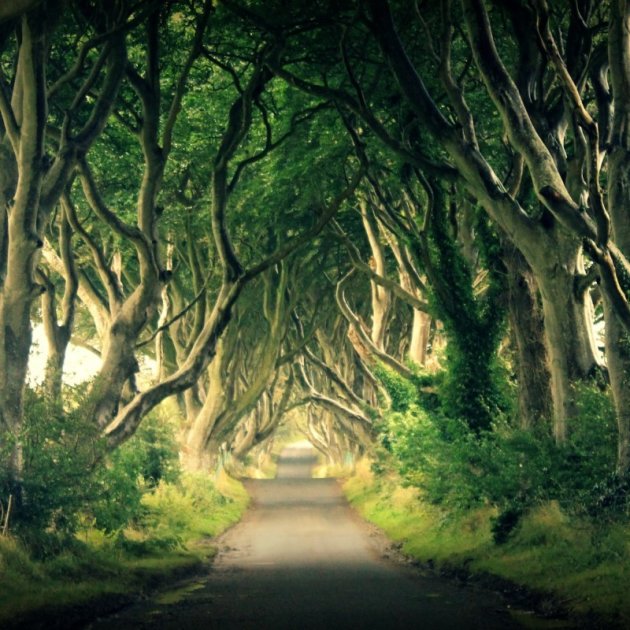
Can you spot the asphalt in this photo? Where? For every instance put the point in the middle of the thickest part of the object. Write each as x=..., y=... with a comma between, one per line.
x=302, y=559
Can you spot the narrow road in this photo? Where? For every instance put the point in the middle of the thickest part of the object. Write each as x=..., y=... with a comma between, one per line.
x=300, y=559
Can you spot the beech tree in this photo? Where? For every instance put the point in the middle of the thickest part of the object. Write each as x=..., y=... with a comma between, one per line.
x=541, y=184
x=304, y=211
x=47, y=128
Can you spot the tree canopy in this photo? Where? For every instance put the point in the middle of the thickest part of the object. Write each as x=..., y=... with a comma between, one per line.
x=347, y=215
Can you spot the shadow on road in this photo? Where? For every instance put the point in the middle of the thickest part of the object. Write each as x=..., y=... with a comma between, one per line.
x=302, y=559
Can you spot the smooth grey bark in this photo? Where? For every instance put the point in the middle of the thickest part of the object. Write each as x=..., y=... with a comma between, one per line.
x=528, y=332
x=59, y=330
x=568, y=317
x=381, y=300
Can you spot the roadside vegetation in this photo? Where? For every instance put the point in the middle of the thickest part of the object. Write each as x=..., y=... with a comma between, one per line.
x=400, y=226
x=566, y=563
x=508, y=505
x=96, y=537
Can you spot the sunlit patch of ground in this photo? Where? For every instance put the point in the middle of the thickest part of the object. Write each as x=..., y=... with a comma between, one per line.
x=301, y=444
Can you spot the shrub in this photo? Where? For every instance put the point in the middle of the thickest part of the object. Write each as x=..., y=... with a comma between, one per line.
x=189, y=508
x=131, y=471
x=401, y=391
x=69, y=477
x=61, y=450
x=509, y=467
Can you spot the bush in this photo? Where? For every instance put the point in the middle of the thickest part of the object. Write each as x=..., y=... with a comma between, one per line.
x=69, y=478
x=401, y=391
x=134, y=469
x=61, y=450
x=609, y=498
x=505, y=523
x=190, y=508
x=508, y=467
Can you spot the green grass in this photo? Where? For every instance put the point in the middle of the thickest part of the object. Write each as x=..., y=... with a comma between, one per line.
x=171, y=539
x=584, y=565
x=324, y=471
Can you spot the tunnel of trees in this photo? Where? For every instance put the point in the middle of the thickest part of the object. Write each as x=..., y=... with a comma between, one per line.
x=401, y=226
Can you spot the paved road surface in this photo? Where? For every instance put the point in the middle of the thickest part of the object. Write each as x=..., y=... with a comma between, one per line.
x=302, y=559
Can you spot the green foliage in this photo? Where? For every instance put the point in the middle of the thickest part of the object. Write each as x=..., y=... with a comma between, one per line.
x=61, y=449
x=585, y=564
x=610, y=498
x=70, y=479
x=194, y=507
x=472, y=389
x=510, y=468
x=401, y=391
x=154, y=551
x=503, y=525
x=132, y=470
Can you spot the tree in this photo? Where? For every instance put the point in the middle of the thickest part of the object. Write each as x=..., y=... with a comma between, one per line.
x=37, y=164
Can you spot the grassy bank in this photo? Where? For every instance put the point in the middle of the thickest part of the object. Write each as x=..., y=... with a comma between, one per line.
x=94, y=573
x=585, y=566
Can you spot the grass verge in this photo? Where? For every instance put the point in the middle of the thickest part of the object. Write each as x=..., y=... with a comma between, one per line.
x=96, y=573
x=585, y=566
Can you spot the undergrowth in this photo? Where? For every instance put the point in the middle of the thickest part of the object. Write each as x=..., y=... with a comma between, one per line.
x=95, y=523
x=170, y=536
x=506, y=500
x=584, y=564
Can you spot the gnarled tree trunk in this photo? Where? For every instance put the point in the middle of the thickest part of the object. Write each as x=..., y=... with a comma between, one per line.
x=527, y=326
x=568, y=317
x=617, y=336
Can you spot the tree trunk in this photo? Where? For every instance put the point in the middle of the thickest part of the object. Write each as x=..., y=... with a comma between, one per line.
x=380, y=296
x=618, y=361
x=421, y=320
x=19, y=290
x=527, y=326
x=119, y=364
x=194, y=456
x=571, y=349
x=420, y=328
x=245, y=439
x=617, y=337
x=53, y=376
x=57, y=332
